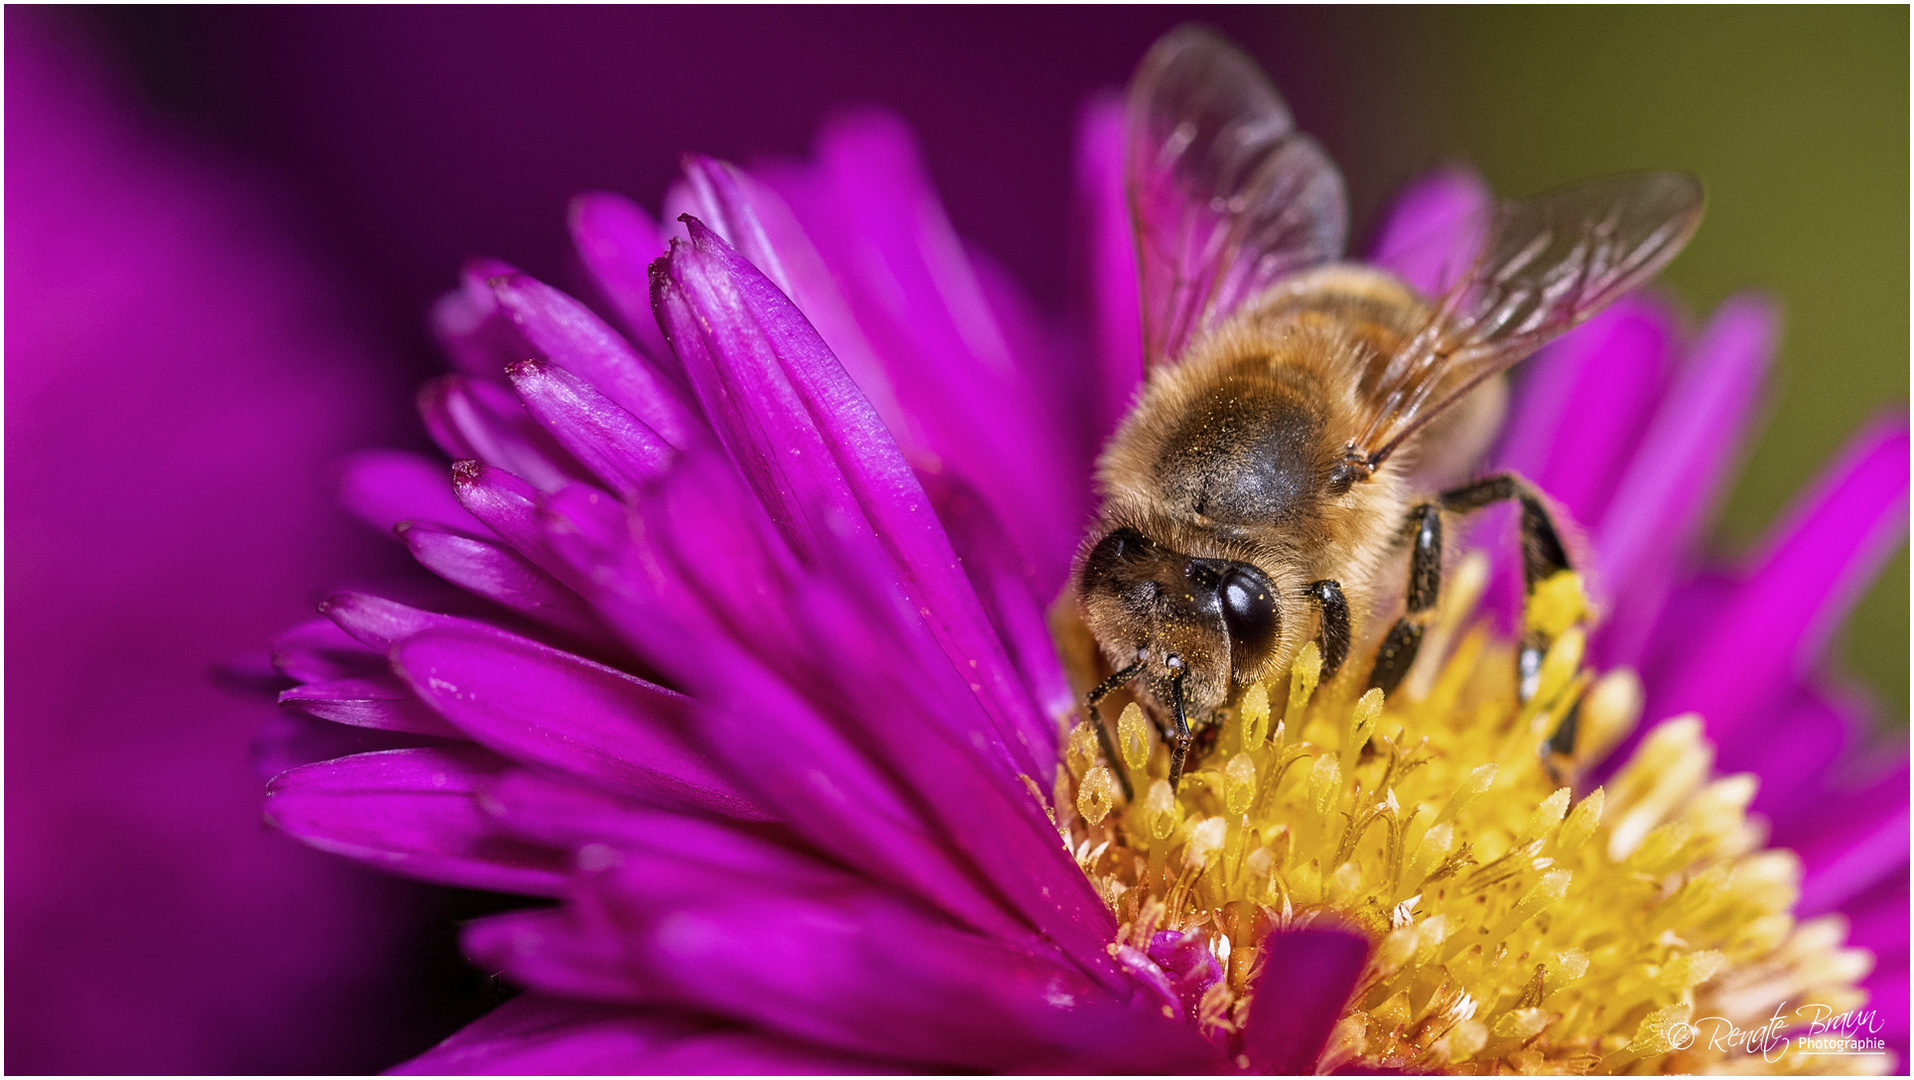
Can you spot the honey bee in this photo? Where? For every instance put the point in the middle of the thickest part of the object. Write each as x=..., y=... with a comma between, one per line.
x=1301, y=415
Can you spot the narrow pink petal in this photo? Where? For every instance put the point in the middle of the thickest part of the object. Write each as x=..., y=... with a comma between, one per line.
x=877, y=220
x=855, y=969
x=1775, y=625
x=1793, y=749
x=411, y=812
x=617, y=242
x=565, y=332
x=502, y=575
x=470, y=327
x=615, y=445
x=1857, y=841
x=1307, y=978
x=559, y=814
x=377, y=622
x=472, y=419
x=1434, y=229
x=1004, y=587
x=317, y=650
x=385, y=487
x=920, y=722
x=372, y=701
x=546, y=707
x=839, y=796
x=508, y=506
x=1678, y=470
x=820, y=458
x=755, y=220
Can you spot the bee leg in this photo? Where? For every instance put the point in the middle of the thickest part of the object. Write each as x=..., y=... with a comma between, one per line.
x=1180, y=749
x=1090, y=702
x=1399, y=649
x=1558, y=750
x=1334, y=610
x=1543, y=556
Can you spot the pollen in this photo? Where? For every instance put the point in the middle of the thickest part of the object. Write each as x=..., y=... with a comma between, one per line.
x=1519, y=921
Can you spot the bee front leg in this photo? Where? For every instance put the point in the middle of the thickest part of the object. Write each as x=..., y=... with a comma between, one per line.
x=1090, y=702
x=1398, y=651
x=1180, y=747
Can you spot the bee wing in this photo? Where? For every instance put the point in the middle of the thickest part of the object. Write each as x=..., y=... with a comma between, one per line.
x=1225, y=195
x=1546, y=265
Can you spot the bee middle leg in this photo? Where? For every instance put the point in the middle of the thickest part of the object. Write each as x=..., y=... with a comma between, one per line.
x=1543, y=556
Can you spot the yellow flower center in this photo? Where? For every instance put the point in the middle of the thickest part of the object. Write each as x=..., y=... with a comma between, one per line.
x=1516, y=925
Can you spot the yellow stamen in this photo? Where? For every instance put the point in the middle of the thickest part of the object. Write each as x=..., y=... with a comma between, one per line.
x=1520, y=922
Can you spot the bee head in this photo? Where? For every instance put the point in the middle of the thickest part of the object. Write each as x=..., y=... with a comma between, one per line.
x=1203, y=619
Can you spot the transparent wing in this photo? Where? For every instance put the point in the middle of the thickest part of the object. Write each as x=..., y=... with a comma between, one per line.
x=1225, y=195
x=1546, y=265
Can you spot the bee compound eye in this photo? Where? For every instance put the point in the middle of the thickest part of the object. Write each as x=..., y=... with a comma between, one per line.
x=1249, y=610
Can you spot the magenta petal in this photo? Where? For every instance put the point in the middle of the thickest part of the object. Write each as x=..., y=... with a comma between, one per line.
x=1777, y=621
x=617, y=242
x=565, y=332
x=747, y=390
x=877, y=220
x=472, y=419
x=534, y=1034
x=503, y=575
x=970, y=794
x=854, y=968
x=1433, y=230
x=375, y=701
x=1841, y=871
x=616, y=446
x=411, y=812
x=471, y=328
x=1678, y=469
x=1792, y=748
x=558, y=814
x=990, y=561
x=644, y=597
x=1107, y=267
x=1585, y=404
x=379, y=623
x=755, y=220
x=318, y=650
x=550, y=950
x=820, y=458
x=385, y=487
x=509, y=507
x=551, y=708
x=834, y=793
x=1858, y=841
x=1307, y=978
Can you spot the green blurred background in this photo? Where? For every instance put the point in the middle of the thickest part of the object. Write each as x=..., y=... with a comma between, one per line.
x=1796, y=119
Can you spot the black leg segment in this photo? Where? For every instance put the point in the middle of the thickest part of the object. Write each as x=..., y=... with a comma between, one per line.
x=1091, y=701
x=1180, y=748
x=1543, y=555
x=1334, y=609
x=1398, y=650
